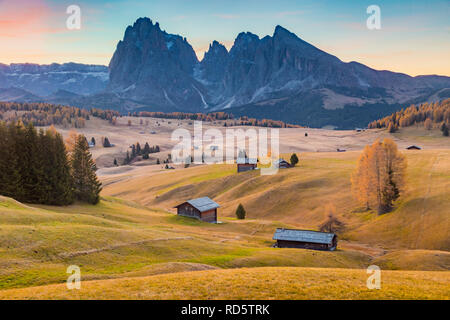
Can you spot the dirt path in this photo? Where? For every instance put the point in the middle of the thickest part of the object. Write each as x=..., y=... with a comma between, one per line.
x=90, y=251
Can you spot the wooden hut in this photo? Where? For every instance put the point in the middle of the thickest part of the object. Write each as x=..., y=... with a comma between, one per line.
x=246, y=164
x=305, y=239
x=201, y=208
x=282, y=164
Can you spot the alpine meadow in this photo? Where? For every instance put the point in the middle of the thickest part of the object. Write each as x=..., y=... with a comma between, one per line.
x=224, y=151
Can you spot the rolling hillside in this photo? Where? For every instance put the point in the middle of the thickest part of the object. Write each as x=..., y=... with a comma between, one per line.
x=254, y=283
x=297, y=196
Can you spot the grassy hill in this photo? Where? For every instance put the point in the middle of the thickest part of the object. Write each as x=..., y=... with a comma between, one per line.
x=138, y=247
x=297, y=196
x=254, y=283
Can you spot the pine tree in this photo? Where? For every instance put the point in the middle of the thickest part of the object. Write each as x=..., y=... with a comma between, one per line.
x=294, y=159
x=444, y=129
x=106, y=143
x=86, y=185
x=240, y=212
x=138, y=149
x=61, y=188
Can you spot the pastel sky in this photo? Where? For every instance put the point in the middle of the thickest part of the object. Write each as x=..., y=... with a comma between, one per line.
x=414, y=36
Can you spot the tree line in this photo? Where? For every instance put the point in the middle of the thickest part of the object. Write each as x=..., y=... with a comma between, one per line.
x=215, y=116
x=137, y=150
x=46, y=114
x=35, y=167
x=431, y=115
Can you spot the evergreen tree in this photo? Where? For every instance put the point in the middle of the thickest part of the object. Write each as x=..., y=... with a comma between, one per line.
x=115, y=162
x=93, y=141
x=86, y=185
x=240, y=212
x=138, y=149
x=127, y=159
x=444, y=129
x=106, y=143
x=61, y=186
x=294, y=159
x=146, y=148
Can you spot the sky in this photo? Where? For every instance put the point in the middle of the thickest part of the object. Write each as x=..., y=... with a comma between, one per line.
x=414, y=37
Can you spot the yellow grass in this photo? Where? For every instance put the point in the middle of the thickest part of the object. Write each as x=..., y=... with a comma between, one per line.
x=132, y=245
x=297, y=196
x=254, y=283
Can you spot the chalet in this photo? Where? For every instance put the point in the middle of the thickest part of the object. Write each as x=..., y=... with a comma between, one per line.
x=305, y=239
x=202, y=209
x=282, y=164
x=246, y=164
x=414, y=148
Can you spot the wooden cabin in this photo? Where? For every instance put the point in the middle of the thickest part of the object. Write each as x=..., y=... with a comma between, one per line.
x=282, y=164
x=246, y=164
x=201, y=208
x=305, y=239
x=414, y=148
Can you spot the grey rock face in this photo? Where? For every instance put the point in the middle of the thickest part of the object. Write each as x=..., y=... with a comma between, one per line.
x=155, y=67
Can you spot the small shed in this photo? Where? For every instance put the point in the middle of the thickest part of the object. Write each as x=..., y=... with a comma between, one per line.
x=201, y=208
x=282, y=164
x=246, y=164
x=305, y=239
x=414, y=148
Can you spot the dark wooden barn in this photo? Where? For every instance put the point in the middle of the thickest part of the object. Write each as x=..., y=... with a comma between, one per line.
x=246, y=164
x=414, y=148
x=201, y=208
x=282, y=164
x=306, y=239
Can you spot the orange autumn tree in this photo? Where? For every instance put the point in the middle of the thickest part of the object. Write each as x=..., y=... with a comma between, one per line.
x=379, y=177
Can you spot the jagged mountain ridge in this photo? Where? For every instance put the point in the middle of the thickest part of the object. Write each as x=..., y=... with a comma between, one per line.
x=254, y=71
x=278, y=76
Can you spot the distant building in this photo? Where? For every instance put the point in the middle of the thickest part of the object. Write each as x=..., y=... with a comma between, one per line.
x=246, y=164
x=340, y=150
x=414, y=148
x=282, y=164
x=202, y=209
x=91, y=145
x=305, y=239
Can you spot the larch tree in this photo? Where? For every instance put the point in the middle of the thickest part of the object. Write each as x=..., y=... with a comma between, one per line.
x=360, y=179
x=379, y=177
x=332, y=224
x=428, y=124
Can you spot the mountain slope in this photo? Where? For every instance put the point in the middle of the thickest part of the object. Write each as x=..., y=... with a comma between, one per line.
x=150, y=65
x=44, y=80
x=279, y=76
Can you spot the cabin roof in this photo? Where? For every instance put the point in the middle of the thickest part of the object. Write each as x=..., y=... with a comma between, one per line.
x=201, y=204
x=303, y=236
x=414, y=147
x=246, y=160
x=281, y=160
